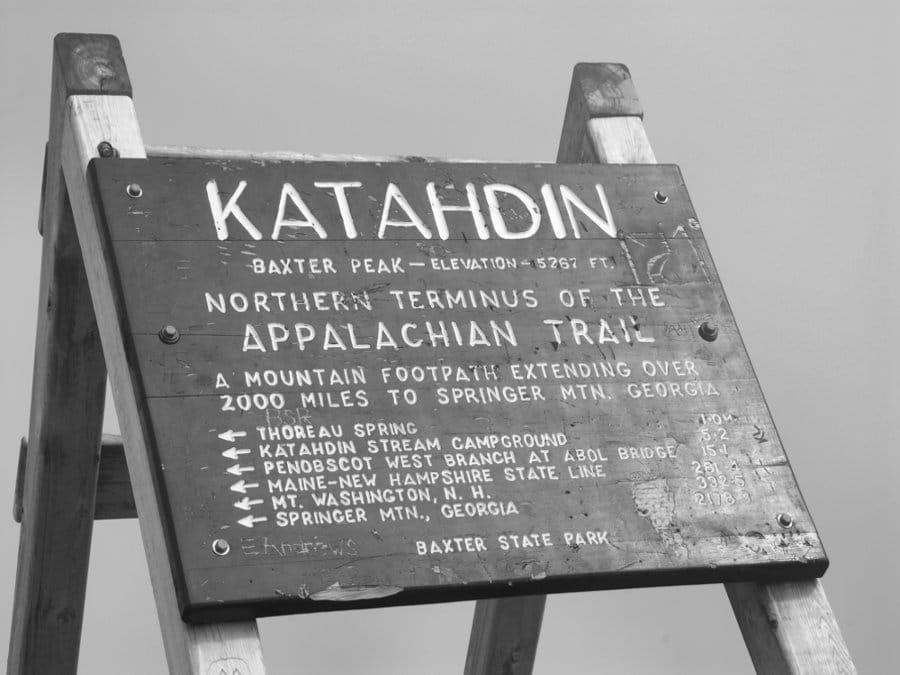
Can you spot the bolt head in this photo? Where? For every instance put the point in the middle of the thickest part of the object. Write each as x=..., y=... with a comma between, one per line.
x=708, y=331
x=221, y=547
x=169, y=334
x=106, y=150
x=134, y=190
x=785, y=520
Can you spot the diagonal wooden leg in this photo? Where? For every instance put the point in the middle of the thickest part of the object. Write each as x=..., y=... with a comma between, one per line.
x=505, y=634
x=789, y=627
x=60, y=477
x=68, y=390
x=91, y=121
x=500, y=627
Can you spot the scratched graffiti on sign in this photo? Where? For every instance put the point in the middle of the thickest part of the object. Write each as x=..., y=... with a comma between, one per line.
x=229, y=666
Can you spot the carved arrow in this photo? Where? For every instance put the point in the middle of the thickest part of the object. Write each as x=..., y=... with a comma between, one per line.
x=246, y=503
x=231, y=434
x=242, y=486
x=250, y=521
x=237, y=469
x=234, y=453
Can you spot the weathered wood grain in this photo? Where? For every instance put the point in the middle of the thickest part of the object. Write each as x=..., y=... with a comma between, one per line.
x=619, y=140
x=68, y=390
x=597, y=91
x=83, y=63
x=189, y=649
x=170, y=255
x=283, y=155
x=114, y=496
x=495, y=625
x=90, y=63
x=504, y=635
x=790, y=628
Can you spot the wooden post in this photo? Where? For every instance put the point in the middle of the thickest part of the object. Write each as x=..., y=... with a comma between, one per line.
x=59, y=486
x=68, y=390
x=789, y=628
x=89, y=122
x=114, y=498
x=505, y=634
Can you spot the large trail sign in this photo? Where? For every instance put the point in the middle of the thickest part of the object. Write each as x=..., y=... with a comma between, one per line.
x=386, y=383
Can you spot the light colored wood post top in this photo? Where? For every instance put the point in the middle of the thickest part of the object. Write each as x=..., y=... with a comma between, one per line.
x=790, y=628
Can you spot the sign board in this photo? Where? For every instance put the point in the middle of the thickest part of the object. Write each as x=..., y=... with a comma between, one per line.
x=369, y=384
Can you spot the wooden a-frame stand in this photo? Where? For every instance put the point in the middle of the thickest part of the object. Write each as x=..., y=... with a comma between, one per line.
x=70, y=475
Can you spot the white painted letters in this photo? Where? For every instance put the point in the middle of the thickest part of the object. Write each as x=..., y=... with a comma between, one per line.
x=438, y=209
x=392, y=194
x=220, y=213
x=604, y=222
x=502, y=218
x=341, y=196
x=497, y=218
x=288, y=190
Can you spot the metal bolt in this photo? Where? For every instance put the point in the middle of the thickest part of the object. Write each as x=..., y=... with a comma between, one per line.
x=221, y=547
x=785, y=520
x=169, y=334
x=106, y=150
x=708, y=331
x=134, y=190
x=660, y=197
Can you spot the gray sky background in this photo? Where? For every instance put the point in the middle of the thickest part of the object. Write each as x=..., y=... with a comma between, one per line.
x=782, y=116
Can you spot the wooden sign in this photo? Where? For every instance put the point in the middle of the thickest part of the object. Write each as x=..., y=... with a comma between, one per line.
x=388, y=383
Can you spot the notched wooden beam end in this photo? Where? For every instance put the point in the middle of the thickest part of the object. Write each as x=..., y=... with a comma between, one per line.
x=606, y=89
x=114, y=496
x=91, y=63
x=598, y=91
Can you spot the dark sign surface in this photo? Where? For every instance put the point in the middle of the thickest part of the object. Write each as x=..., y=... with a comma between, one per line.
x=372, y=384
